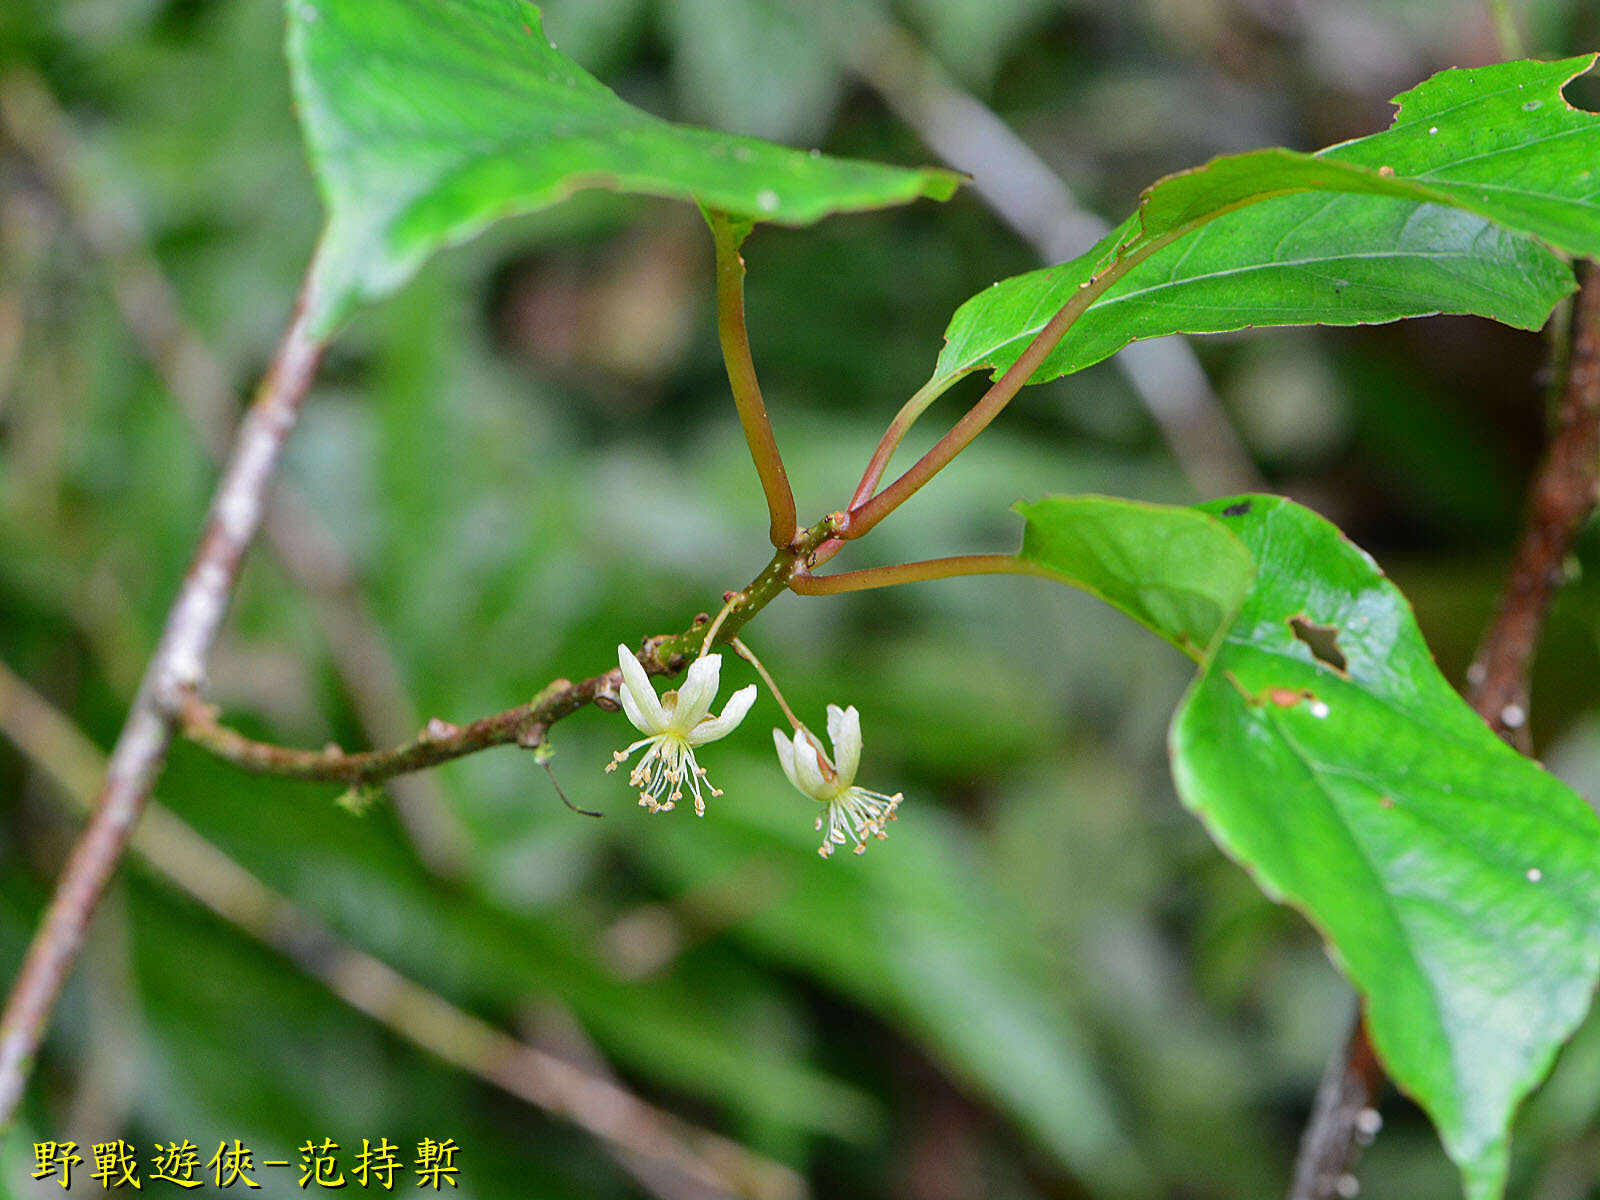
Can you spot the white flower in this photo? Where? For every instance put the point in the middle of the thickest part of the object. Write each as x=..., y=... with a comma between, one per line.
x=852, y=811
x=673, y=726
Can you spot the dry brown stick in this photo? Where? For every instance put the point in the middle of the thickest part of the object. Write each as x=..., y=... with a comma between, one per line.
x=177, y=663
x=1561, y=498
x=680, y=1161
x=150, y=308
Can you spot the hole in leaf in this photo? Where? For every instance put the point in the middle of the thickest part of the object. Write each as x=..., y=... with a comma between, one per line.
x=1323, y=641
x=1237, y=510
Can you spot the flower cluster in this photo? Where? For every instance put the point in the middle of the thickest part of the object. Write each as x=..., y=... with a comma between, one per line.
x=677, y=723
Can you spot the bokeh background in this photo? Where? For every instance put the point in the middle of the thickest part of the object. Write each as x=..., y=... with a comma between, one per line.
x=1047, y=982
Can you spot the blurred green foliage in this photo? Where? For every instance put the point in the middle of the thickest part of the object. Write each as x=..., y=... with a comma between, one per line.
x=1047, y=982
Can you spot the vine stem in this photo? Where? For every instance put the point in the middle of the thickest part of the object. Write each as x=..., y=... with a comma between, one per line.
x=735, y=337
x=177, y=663
x=440, y=742
x=1561, y=498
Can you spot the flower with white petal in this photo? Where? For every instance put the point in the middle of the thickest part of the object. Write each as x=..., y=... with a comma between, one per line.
x=852, y=812
x=674, y=725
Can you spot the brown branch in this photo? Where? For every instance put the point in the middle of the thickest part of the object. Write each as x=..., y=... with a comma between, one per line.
x=439, y=741
x=178, y=663
x=1345, y=1109
x=1561, y=498
x=1560, y=501
x=672, y=1158
x=198, y=383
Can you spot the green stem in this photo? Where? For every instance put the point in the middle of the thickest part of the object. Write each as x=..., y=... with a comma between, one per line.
x=914, y=572
x=729, y=235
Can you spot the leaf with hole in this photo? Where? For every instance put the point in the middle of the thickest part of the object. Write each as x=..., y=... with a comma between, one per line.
x=1456, y=881
x=427, y=120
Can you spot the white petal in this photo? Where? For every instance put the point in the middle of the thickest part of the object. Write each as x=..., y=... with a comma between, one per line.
x=844, y=731
x=698, y=691
x=732, y=713
x=786, y=758
x=808, y=771
x=631, y=710
x=651, y=718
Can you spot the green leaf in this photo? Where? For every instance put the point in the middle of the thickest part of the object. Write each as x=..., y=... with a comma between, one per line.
x=1176, y=571
x=1445, y=211
x=1457, y=882
x=426, y=120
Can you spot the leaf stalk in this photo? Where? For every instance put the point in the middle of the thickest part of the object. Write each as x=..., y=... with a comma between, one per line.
x=729, y=235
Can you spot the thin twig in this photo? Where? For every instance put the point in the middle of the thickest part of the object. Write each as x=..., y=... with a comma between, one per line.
x=1345, y=1106
x=438, y=742
x=198, y=383
x=1561, y=498
x=681, y=1160
x=178, y=663
x=1030, y=197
